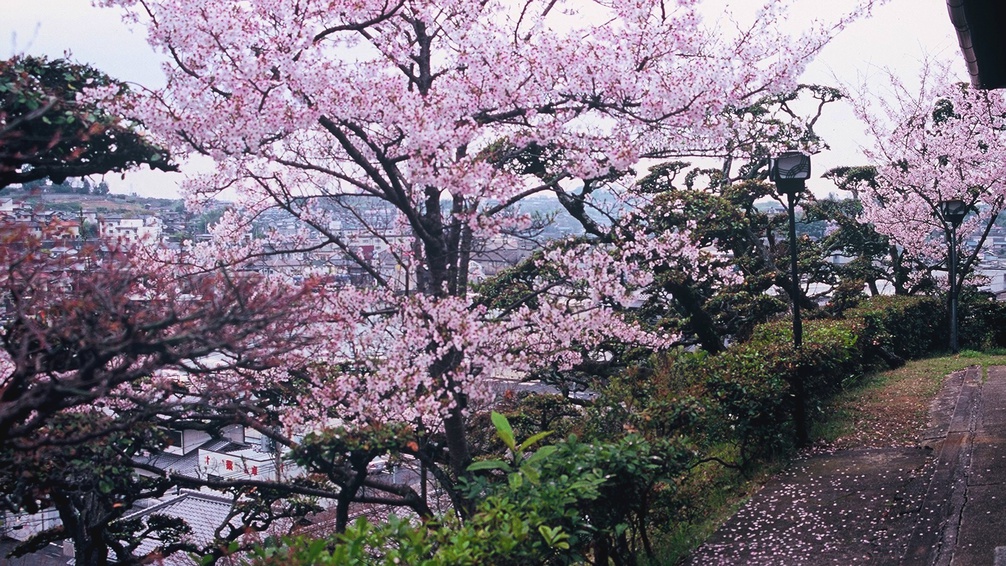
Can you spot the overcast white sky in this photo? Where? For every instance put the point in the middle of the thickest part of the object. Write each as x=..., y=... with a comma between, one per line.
x=899, y=36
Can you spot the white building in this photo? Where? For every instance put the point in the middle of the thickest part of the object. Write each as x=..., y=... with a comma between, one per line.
x=147, y=228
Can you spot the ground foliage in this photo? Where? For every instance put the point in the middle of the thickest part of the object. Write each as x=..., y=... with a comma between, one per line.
x=655, y=433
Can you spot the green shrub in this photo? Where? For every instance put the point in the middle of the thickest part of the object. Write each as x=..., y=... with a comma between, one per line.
x=757, y=386
x=747, y=392
x=981, y=320
x=554, y=506
x=900, y=327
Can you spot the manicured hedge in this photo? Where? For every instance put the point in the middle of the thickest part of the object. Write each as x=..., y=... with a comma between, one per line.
x=905, y=327
x=754, y=389
x=982, y=321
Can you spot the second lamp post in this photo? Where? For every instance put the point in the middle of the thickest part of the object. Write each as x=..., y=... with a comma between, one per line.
x=953, y=212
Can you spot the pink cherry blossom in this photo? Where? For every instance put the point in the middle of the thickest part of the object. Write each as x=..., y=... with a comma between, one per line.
x=940, y=141
x=306, y=105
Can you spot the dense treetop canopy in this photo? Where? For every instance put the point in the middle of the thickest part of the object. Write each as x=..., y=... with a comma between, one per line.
x=50, y=126
x=452, y=113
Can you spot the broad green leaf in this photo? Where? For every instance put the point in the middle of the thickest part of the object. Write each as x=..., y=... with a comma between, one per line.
x=503, y=430
x=554, y=537
x=532, y=474
x=530, y=441
x=516, y=480
x=489, y=465
x=541, y=453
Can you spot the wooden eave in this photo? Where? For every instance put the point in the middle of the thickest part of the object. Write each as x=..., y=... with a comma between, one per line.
x=981, y=32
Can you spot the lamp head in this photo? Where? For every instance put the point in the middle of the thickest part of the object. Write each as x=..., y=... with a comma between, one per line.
x=789, y=171
x=953, y=211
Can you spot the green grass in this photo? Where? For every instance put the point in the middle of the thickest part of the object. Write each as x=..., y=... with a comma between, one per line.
x=913, y=385
x=940, y=366
x=839, y=421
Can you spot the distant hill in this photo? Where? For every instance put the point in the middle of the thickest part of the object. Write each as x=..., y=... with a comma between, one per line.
x=110, y=203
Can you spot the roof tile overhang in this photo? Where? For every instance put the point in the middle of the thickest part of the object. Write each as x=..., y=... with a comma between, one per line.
x=981, y=32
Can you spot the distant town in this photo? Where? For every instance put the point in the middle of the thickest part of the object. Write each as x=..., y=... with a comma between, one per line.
x=72, y=214
x=85, y=211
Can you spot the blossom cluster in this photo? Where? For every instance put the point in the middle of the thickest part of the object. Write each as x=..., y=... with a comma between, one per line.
x=410, y=102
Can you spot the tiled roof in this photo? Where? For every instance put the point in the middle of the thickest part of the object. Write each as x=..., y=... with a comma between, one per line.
x=201, y=511
x=222, y=445
x=187, y=465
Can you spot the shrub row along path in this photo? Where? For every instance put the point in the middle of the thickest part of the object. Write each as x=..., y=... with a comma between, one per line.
x=942, y=502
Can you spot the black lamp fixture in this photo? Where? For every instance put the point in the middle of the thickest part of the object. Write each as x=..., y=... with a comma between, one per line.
x=953, y=212
x=789, y=171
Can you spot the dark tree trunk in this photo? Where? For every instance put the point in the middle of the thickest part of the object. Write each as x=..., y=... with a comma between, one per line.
x=874, y=290
x=441, y=246
x=346, y=496
x=700, y=322
x=601, y=551
x=85, y=519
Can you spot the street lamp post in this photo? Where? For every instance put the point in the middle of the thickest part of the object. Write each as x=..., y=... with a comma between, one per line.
x=790, y=171
x=953, y=212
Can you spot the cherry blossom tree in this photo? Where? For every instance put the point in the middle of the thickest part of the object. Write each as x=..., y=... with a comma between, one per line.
x=451, y=113
x=104, y=347
x=88, y=326
x=940, y=141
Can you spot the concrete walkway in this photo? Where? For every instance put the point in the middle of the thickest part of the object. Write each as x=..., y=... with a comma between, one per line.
x=942, y=503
